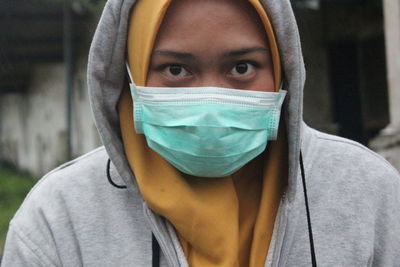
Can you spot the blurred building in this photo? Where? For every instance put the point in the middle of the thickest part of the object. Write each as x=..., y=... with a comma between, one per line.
x=45, y=116
x=352, y=55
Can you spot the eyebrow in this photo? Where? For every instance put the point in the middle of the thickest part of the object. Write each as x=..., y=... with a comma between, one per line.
x=191, y=57
x=244, y=51
x=180, y=55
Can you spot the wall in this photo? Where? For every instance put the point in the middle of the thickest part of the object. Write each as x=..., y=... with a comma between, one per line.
x=317, y=98
x=84, y=133
x=33, y=135
x=388, y=142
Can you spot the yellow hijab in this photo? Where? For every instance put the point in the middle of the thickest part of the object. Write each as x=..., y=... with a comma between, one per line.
x=219, y=222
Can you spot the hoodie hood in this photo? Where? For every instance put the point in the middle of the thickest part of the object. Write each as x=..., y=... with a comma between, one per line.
x=107, y=77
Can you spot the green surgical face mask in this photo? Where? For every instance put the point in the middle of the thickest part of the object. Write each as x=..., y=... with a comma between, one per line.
x=206, y=131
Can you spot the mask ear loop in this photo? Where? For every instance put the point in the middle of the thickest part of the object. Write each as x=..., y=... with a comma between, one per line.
x=133, y=86
x=281, y=87
x=129, y=73
x=137, y=110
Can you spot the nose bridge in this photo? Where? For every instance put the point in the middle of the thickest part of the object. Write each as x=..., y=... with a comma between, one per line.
x=213, y=78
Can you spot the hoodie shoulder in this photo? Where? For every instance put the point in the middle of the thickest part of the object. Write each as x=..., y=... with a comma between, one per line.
x=65, y=211
x=345, y=152
x=355, y=190
x=351, y=168
x=59, y=222
x=66, y=188
x=62, y=185
x=72, y=174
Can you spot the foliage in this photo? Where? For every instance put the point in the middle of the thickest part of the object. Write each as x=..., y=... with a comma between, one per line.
x=13, y=188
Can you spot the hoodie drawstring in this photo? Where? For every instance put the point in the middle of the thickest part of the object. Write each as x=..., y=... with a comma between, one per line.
x=303, y=177
x=154, y=243
x=109, y=177
x=156, y=251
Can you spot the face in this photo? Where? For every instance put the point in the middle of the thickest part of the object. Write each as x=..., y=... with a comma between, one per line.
x=218, y=43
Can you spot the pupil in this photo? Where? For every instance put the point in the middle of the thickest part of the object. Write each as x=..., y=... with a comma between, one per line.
x=242, y=68
x=175, y=70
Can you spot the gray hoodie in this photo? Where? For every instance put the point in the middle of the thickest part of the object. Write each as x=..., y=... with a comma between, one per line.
x=74, y=216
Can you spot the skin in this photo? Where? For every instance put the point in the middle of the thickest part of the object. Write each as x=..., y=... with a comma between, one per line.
x=218, y=43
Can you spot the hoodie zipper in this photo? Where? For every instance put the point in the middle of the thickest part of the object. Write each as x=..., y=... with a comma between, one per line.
x=280, y=237
x=160, y=236
x=278, y=254
x=282, y=242
x=167, y=249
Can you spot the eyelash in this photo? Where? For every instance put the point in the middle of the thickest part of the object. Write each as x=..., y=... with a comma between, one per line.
x=163, y=67
x=254, y=64
x=251, y=62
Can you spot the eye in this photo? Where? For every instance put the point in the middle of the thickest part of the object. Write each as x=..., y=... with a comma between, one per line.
x=176, y=71
x=243, y=68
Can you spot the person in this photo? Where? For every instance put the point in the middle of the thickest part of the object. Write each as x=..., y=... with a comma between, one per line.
x=206, y=158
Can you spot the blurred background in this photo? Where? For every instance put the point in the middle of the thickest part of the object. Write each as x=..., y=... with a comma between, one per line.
x=351, y=50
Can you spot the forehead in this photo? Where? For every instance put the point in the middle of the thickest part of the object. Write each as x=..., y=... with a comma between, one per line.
x=196, y=23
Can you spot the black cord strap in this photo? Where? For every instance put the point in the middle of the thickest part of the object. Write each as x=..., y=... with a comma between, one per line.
x=303, y=177
x=109, y=177
x=156, y=251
